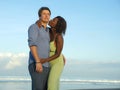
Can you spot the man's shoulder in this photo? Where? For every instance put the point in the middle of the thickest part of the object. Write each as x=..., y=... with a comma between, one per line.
x=32, y=25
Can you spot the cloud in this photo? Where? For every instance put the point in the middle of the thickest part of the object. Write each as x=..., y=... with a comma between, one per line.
x=13, y=60
x=16, y=64
x=72, y=61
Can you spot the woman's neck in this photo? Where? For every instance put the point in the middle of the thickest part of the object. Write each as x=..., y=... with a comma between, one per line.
x=53, y=33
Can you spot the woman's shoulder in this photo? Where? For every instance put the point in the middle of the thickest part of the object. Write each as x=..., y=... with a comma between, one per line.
x=59, y=37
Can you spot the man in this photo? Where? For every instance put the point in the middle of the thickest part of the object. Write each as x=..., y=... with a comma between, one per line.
x=38, y=40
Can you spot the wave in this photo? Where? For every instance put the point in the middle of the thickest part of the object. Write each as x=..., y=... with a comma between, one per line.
x=7, y=78
x=24, y=79
x=90, y=81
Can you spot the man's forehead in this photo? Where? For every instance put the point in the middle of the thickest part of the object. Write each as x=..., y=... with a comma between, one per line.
x=45, y=11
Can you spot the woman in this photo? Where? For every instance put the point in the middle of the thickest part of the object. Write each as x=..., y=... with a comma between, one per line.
x=56, y=59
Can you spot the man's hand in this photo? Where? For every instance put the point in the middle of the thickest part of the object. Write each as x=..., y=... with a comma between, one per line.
x=39, y=67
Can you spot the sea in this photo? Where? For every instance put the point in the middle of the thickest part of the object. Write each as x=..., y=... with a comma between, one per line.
x=24, y=83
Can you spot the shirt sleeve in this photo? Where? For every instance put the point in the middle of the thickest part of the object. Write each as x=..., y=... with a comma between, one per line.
x=32, y=36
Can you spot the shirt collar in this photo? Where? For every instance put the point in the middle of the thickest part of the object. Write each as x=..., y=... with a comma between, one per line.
x=47, y=28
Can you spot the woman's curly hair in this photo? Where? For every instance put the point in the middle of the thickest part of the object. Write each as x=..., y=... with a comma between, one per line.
x=61, y=25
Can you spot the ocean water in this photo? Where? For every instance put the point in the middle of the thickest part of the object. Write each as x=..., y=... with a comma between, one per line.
x=24, y=83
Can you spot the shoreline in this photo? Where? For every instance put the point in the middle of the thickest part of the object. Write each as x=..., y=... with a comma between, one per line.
x=97, y=89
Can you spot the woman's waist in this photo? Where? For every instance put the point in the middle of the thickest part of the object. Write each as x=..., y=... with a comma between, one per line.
x=52, y=53
x=57, y=60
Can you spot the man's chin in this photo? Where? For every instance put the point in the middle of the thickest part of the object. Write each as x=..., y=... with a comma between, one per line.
x=46, y=21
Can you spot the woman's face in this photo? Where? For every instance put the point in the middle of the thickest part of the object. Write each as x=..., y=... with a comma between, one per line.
x=53, y=22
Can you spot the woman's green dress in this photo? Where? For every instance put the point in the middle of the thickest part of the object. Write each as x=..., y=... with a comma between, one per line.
x=57, y=66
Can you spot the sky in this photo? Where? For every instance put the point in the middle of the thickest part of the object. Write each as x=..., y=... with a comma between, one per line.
x=93, y=29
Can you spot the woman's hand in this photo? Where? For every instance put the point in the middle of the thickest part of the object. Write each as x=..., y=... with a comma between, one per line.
x=42, y=60
x=39, y=23
x=64, y=59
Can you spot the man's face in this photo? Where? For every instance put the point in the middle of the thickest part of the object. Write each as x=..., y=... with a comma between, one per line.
x=45, y=16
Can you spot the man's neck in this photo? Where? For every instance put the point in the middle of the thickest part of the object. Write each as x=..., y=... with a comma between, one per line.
x=44, y=24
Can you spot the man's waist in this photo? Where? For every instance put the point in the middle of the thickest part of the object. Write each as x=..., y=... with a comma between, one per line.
x=47, y=64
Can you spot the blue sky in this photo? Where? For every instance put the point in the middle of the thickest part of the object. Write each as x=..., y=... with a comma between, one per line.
x=92, y=40
x=93, y=30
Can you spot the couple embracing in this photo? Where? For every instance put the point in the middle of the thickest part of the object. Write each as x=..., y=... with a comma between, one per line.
x=46, y=62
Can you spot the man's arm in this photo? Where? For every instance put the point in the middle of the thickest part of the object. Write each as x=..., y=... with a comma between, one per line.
x=32, y=40
x=37, y=59
x=33, y=50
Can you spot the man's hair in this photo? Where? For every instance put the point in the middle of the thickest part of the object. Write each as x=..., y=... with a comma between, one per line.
x=41, y=9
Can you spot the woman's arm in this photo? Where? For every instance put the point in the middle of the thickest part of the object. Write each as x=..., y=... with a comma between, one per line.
x=59, y=47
